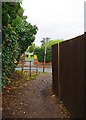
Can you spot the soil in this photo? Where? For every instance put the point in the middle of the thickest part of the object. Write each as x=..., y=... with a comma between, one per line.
x=34, y=99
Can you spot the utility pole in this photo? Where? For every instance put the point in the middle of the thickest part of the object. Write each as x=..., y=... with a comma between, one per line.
x=46, y=40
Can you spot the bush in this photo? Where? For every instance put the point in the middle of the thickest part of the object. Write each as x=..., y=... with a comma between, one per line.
x=39, y=51
x=17, y=35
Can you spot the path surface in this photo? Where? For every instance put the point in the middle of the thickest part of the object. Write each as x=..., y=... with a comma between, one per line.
x=33, y=100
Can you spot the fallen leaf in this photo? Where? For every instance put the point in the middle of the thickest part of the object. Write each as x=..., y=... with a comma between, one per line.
x=21, y=103
x=13, y=113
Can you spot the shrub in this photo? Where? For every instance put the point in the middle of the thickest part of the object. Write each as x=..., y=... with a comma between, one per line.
x=17, y=35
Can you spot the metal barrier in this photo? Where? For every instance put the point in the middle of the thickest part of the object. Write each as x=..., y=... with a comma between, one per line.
x=30, y=67
x=71, y=75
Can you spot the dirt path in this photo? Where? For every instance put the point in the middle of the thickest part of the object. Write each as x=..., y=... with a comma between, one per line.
x=33, y=100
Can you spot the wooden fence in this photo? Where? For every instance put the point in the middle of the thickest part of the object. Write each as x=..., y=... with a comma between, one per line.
x=55, y=68
x=69, y=84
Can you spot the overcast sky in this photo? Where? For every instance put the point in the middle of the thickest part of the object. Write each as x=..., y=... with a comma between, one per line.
x=56, y=19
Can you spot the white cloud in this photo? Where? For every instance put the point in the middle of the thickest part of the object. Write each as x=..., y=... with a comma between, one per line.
x=55, y=18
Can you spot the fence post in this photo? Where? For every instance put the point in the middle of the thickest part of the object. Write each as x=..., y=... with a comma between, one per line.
x=22, y=65
x=30, y=68
x=37, y=67
x=59, y=84
x=44, y=62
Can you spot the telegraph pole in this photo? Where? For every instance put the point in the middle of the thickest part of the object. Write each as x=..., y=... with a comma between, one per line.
x=46, y=40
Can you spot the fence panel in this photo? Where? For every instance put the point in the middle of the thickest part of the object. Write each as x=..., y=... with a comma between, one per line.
x=72, y=74
x=55, y=68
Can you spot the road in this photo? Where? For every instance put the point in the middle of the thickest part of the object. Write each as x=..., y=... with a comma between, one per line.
x=39, y=67
x=47, y=70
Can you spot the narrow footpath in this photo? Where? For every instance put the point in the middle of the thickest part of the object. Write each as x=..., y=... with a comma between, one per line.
x=33, y=100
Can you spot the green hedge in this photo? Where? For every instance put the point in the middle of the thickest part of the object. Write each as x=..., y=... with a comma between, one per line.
x=17, y=35
x=39, y=51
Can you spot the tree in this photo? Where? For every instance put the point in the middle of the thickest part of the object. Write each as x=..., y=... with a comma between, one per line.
x=52, y=42
x=39, y=51
x=31, y=48
x=17, y=35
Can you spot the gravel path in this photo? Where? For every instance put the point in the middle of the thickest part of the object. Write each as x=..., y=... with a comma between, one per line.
x=33, y=100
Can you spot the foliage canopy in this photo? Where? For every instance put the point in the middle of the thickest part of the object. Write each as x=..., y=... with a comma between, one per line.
x=17, y=35
x=39, y=51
